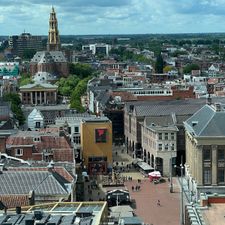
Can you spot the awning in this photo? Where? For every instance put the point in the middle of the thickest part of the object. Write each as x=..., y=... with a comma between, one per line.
x=155, y=174
x=145, y=166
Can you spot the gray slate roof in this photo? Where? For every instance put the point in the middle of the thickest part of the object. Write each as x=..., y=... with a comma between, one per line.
x=207, y=122
x=180, y=109
x=42, y=85
x=21, y=182
x=159, y=120
x=48, y=57
x=145, y=105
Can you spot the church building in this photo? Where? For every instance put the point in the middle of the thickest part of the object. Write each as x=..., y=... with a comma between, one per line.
x=53, y=60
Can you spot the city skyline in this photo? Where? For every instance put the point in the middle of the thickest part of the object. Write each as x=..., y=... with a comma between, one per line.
x=83, y=17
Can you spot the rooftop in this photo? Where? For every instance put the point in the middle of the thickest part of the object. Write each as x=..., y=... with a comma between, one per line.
x=60, y=213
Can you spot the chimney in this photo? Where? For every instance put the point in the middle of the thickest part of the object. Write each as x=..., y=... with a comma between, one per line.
x=31, y=198
x=131, y=108
x=18, y=209
x=209, y=100
x=2, y=167
x=51, y=166
x=218, y=107
x=194, y=123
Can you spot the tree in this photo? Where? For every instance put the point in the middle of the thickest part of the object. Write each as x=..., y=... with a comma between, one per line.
x=159, y=64
x=67, y=85
x=25, y=79
x=29, y=53
x=188, y=68
x=14, y=99
x=81, y=70
x=75, y=101
x=167, y=68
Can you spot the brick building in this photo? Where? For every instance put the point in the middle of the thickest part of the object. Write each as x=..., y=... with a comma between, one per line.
x=39, y=145
x=53, y=60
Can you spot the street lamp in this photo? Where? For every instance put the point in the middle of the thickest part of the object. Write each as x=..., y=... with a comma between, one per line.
x=171, y=168
x=181, y=167
x=171, y=173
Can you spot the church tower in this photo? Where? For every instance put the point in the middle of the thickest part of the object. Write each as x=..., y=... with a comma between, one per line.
x=53, y=33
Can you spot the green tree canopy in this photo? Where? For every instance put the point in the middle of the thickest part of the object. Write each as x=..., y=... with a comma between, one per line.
x=75, y=101
x=81, y=70
x=188, y=68
x=28, y=53
x=159, y=64
x=25, y=79
x=167, y=68
x=67, y=85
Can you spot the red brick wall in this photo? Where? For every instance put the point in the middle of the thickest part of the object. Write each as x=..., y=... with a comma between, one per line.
x=2, y=144
x=27, y=152
x=216, y=200
x=177, y=94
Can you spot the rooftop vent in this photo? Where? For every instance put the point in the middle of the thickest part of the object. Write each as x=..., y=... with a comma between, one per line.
x=218, y=107
x=131, y=108
x=194, y=123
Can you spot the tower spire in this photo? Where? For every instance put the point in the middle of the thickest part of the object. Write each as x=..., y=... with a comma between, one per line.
x=53, y=33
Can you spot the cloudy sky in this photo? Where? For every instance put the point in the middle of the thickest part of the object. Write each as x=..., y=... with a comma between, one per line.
x=80, y=17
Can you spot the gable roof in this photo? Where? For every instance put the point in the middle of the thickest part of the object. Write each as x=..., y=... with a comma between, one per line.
x=207, y=122
x=47, y=141
x=57, y=169
x=39, y=85
x=21, y=182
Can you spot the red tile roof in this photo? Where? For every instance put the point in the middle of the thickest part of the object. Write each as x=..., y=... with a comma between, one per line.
x=54, y=143
x=11, y=201
x=47, y=142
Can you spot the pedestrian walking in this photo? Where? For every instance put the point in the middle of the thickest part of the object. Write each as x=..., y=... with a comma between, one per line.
x=158, y=203
x=132, y=188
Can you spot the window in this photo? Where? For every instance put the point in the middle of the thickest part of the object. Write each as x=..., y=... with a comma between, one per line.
x=76, y=129
x=166, y=147
x=206, y=154
x=172, y=147
x=19, y=152
x=160, y=147
x=172, y=136
x=166, y=136
x=36, y=139
x=76, y=139
x=220, y=155
x=207, y=176
x=220, y=175
x=160, y=136
x=38, y=125
x=69, y=130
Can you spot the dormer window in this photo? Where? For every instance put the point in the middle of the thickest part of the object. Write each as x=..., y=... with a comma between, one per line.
x=18, y=152
x=36, y=139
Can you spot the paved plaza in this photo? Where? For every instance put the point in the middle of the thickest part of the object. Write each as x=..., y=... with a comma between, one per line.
x=145, y=200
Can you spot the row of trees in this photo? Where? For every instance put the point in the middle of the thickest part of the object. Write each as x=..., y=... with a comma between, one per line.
x=75, y=85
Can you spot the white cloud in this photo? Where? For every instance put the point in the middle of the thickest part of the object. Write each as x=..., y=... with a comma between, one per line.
x=113, y=16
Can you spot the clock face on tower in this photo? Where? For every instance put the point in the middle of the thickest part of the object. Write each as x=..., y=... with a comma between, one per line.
x=100, y=135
